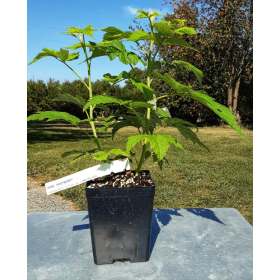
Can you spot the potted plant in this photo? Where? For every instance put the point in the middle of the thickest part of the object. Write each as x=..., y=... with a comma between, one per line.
x=120, y=206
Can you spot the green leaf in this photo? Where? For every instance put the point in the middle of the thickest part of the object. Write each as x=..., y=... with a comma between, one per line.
x=101, y=99
x=143, y=62
x=190, y=68
x=201, y=96
x=185, y=30
x=133, y=140
x=114, y=33
x=109, y=78
x=112, y=29
x=137, y=104
x=180, y=21
x=155, y=65
x=143, y=14
x=181, y=125
x=139, y=35
x=73, y=31
x=96, y=52
x=223, y=112
x=111, y=37
x=118, y=45
x=148, y=92
x=78, y=100
x=66, y=154
x=162, y=113
x=160, y=144
x=82, y=154
x=128, y=58
x=62, y=55
x=102, y=107
x=78, y=46
x=101, y=156
x=163, y=29
x=53, y=115
x=79, y=158
x=147, y=154
x=179, y=88
x=178, y=41
x=118, y=125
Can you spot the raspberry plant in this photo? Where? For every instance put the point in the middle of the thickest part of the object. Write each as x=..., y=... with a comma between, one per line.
x=142, y=114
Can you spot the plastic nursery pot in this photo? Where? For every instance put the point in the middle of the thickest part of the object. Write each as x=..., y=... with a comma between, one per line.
x=120, y=222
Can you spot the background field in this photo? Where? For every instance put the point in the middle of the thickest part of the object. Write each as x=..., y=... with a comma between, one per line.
x=196, y=179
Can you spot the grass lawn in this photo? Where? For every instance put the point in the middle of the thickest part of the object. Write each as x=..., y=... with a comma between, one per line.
x=196, y=179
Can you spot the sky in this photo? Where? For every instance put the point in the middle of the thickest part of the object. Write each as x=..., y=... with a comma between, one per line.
x=46, y=20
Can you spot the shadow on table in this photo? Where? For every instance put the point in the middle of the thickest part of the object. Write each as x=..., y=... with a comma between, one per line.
x=163, y=216
x=205, y=213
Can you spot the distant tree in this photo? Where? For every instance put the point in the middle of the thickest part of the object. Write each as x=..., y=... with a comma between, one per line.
x=224, y=42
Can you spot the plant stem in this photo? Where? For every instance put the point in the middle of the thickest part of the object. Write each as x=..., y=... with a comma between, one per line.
x=90, y=96
x=142, y=159
x=144, y=147
x=76, y=74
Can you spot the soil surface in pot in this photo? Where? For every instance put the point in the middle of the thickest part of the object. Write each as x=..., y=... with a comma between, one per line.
x=124, y=179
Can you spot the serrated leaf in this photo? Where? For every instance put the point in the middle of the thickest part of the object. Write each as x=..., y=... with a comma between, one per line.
x=110, y=37
x=78, y=100
x=137, y=104
x=128, y=58
x=114, y=33
x=163, y=29
x=82, y=154
x=185, y=30
x=179, y=88
x=109, y=78
x=139, y=35
x=102, y=107
x=162, y=113
x=155, y=65
x=143, y=62
x=133, y=140
x=181, y=125
x=178, y=42
x=201, y=96
x=86, y=31
x=147, y=154
x=118, y=45
x=101, y=155
x=143, y=14
x=101, y=99
x=160, y=144
x=63, y=55
x=53, y=115
x=148, y=92
x=117, y=126
x=79, y=158
x=66, y=154
x=180, y=21
x=223, y=112
x=96, y=52
x=78, y=46
x=190, y=68
x=112, y=29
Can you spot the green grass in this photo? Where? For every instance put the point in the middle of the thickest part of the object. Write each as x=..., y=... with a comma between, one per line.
x=196, y=179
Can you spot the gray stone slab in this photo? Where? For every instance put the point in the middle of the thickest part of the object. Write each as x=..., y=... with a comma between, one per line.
x=193, y=244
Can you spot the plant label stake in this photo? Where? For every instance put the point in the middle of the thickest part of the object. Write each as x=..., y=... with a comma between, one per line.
x=86, y=175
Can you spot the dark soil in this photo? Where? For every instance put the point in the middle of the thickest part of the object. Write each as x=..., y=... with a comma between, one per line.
x=123, y=179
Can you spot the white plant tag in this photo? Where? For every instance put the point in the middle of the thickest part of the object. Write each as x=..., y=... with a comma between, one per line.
x=86, y=175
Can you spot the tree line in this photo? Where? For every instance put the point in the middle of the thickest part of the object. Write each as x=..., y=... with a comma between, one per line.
x=224, y=44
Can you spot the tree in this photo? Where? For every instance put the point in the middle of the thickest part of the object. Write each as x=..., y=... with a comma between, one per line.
x=224, y=42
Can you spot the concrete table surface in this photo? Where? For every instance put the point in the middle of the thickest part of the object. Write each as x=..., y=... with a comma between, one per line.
x=188, y=244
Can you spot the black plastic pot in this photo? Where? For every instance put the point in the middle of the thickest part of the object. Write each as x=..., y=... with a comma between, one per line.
x=120, y=222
